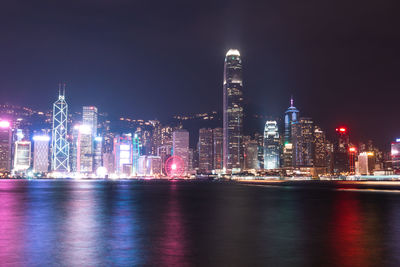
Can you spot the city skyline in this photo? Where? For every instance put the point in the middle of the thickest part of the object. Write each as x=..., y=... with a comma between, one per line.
x=338, y=73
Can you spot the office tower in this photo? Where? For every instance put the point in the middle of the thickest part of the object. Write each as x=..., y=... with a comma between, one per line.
x=190, y=159
x=251, y=155
x=135, y=154
x=123, y=154
x=205, y=150
x=164, y=152
x=341, y=153
x=302, y=139
x=218, y=139
x=89, y=117
x=233, y=112
x=291, y=116
x=156, y=136
x=41, y=153
x=395, y=154
x=180, y=145
x=109, y=162
x=260, y=150
x=98, y=153
x=320, y=149
x=60, y=145
x=5, y=146
x=166, y=135
x=22, y=155
x=149, y=166
x=271, y=145
x=366, y=163
x=84, y=149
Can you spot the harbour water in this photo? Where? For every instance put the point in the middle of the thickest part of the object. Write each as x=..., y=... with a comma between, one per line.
x=148, y=223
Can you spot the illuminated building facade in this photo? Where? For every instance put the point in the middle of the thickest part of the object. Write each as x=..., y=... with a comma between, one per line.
x=135, y=154
x=341, y=151
x=180, y=146
x=395, y=154
x=291, y=116
x=5, y=146
x=271, y=145
x=205, y=150
x=251, y=155
x=149, y=166
x=60, y=145
x=22, y=155
x=123, y=153
x=233, y=111
x=89, y=117
x=98, y=153
x=85, y=149
x=41, y=153
x=218, y=139
x=320, y=149
x=302, y=140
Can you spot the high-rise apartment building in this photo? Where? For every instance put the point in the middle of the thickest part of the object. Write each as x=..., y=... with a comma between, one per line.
x=271, y=145
x=233, y=111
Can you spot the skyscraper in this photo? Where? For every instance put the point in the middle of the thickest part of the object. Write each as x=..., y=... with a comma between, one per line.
x=320, y=148
x=271, y=145
x=205, y=150
x=123, y=149
x=41, y=153
x=218, y=140
x=85, y=149
x=251, y=154
x=395, y=154
x=341, y=151
x=233, y=111
x=302, y=138
x=60, y=145
x=291, y=116
x=180, y=145
x=89, y=117
x=22, y=155
x=5, y=146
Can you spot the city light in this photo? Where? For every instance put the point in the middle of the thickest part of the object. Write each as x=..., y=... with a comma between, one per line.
x=352, y=149
x=341, y=130
x=398, y=140
x=41, y=138
x=4, y=124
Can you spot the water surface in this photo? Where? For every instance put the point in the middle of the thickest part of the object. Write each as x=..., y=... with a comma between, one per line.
x=128, y=223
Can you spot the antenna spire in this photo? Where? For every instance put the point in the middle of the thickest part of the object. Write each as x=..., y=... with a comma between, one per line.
x=291, y=101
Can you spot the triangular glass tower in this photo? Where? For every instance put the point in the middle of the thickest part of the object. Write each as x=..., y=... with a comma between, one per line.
x=60, y=145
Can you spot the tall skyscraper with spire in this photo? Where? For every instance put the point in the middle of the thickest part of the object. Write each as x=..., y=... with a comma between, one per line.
x=233, y=111
x=291, y=116
x=60, y=145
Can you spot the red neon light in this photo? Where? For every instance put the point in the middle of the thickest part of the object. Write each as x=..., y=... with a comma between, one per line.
x=352, y=149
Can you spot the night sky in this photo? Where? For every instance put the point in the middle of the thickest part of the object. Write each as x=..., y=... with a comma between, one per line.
x=153, y=59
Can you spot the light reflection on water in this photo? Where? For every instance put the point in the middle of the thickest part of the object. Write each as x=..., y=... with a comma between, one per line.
x=127, y=223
